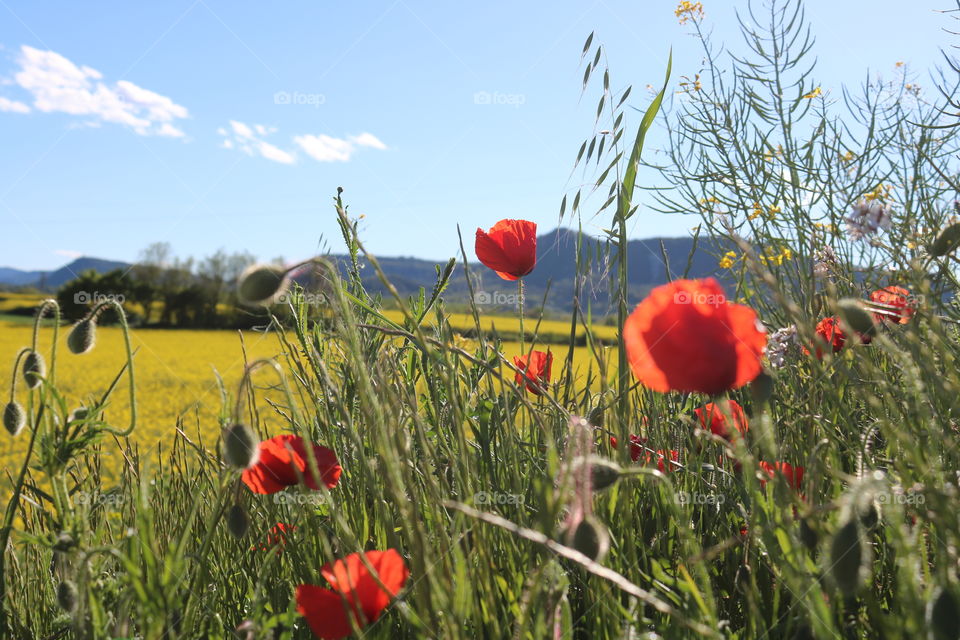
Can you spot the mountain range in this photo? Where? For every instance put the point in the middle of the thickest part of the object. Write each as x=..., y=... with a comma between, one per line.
x=553, y=282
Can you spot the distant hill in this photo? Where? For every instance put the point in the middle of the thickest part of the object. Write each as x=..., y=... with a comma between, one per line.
x=556, y=269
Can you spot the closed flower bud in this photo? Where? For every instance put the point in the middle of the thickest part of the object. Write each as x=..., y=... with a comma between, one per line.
x=849, y=558
x=262, y=284
x=64, y=542
x=80, y=413
x=237, y=521
x=67, y=596
x=34, y=369
x=241, y=447
x=591, y=539
x=83, y=337
x=761, y=389
x=603, y=473
x=859, y=319
x=14, y=418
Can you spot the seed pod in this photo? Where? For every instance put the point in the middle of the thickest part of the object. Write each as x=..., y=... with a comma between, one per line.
x=34, y=369
x=14, y=418
x=947, y=241
x=241, y=447
x=849, y=558
x=80, y=413
x=943, y=617
x=237, y=521
x=262, y=284
x=603, y=472
x=853, y=313
x=596, y=416
x=67, y=596
x=591, y=539
x=83, y=337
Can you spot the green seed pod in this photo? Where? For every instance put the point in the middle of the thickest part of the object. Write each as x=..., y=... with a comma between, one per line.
x=34, y=369
x=852, y=312
x=78, y=414
x=947, y=241
x=849, y=558
x=943, y=617
x=237, y=521
x=603, y=473
x=262, y=284
x=83, y=337
x=241, y=447
x=67, y=596
x=14, y=418
x=591, y=539
x=762, y=388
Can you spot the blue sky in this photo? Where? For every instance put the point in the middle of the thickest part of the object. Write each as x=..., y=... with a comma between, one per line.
x=229, y=124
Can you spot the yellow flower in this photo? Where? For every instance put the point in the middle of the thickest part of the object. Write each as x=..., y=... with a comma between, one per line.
x=728, y=259
x=757, y=211
x=687, y=10
x=899, y=64
x=772, y=211
x=813, y=94
x=846, y=157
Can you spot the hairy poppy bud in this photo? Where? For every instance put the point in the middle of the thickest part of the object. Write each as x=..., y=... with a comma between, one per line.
x=80, y=413
x=237, y=521
x=762, y=388
x=603, y=473
x=64, y=542
x=241, y=447
x=34, y=369
x=853, y=313
x=943, y=616
x=849, y=558
x=83, y=337
x=14, y=418
x=67, y=596
x=262, y=284
x=591, y=539
x=947, y=241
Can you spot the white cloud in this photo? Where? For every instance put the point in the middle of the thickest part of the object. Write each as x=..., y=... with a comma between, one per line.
x=368, y=140
x=13, y=106
x=324, y=148
x=60, y=86
x=249, y=140
x=68, y=253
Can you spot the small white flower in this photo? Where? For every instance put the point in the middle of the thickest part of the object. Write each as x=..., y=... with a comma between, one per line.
x=825, y=262
x=867, y=219
x=780, y=343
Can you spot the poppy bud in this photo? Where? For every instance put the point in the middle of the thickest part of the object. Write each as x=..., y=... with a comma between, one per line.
x=64, y=542
x=241, y=447
x=78, y=414
x=869, y=512
x=14, y=418
x=742, y=580
x=596, y=416
x=943, y=617
x=762, y=388
x=237, y=521
x=591, y=539
x=857, y=317
x=849, y=560
x=947, y=241
x=67, y=596
x=262, y=284
x=808, y=534
x=603, y=473
x=83, y=337
x=34, y=369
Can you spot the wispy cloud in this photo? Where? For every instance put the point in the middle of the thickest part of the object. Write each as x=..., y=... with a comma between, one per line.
x=12, y=106
x=324, y=148
x=250, y=140
x=57, y=85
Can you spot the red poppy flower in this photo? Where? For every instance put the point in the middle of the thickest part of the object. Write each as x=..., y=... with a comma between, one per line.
x=636, y=445
x=283, y=461
x=276, y=537
x=536, y=372
x=830, y=332
x=509, y=248
x=685, y=336
x=353, y=592
x=898, y=304
x=793, y=475
x=722, y=420
x=662, y=459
